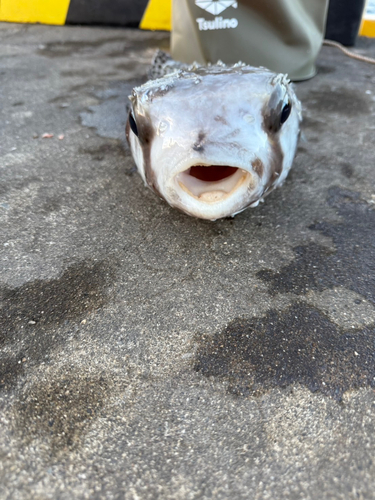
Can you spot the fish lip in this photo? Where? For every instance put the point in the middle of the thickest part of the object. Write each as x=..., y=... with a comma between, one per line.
x=215, y=191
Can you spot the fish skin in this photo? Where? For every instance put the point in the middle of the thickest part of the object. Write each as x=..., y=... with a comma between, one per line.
x=213, y=116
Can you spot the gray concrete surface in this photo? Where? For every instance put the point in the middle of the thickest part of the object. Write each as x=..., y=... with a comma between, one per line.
x=146, y=354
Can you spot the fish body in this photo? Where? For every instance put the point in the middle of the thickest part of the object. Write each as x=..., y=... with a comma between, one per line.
x=214, y=140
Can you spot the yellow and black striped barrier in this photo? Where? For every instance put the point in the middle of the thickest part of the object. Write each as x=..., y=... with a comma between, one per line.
x=105, y=12
x=34, y=11
x=157, y=16
x=149, y=15
x=368, y=27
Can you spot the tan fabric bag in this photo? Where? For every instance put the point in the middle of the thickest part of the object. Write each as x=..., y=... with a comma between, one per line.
x=282, y=35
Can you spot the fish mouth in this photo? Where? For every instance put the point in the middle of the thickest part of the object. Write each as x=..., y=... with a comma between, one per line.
x=212, y=183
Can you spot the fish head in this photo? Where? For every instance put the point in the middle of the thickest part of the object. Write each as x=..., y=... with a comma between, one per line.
x=216, y=140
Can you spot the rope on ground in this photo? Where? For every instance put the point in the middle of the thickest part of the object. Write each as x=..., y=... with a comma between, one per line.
x=349, y=53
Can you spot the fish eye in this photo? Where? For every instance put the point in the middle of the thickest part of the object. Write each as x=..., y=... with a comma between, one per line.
x=133, y=124
x=285, y=112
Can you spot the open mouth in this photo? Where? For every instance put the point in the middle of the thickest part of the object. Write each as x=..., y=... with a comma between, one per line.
x=212, y=183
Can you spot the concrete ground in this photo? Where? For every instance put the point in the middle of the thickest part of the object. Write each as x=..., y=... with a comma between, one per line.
x=146, y=354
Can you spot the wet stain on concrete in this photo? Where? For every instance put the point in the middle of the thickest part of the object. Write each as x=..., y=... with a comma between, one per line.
x=302, y=149
x=61, y=411
x=315, y=125
x=128, y=65
x=110, y=116
x=342, y=101
x=75, y=73
x=351, y=265
x=297, y=346
x=19, y=184
x=100, y=153
x=347, y=170
x=139, y=45
x=77, y=89
x=66, y=49
x=31, y=315
x=306, y=272
x=51, y=204
x=325, y=70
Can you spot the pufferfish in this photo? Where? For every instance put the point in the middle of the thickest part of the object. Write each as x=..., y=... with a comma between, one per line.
x=213, y=140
